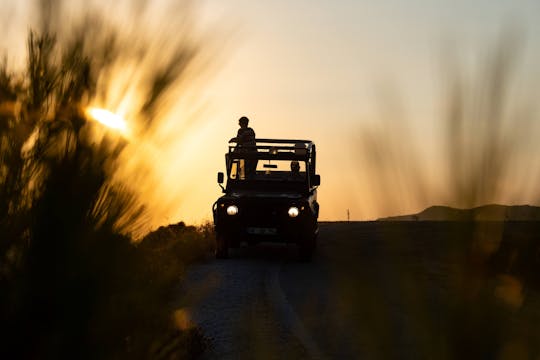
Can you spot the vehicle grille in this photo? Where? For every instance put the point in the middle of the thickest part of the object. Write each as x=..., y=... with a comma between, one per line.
x=266, y=214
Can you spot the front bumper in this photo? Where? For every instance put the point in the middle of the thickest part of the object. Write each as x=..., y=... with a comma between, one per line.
x=267, y=222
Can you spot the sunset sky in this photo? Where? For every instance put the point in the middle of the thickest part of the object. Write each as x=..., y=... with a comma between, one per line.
x=327, y=71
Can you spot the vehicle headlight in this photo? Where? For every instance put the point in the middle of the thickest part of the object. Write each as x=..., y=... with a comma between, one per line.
x=232, y=210
x=293, y=211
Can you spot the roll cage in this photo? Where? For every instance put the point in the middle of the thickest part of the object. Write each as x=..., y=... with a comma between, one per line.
x=270, y=149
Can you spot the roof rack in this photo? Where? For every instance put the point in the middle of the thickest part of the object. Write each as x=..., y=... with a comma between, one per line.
x=278, y=149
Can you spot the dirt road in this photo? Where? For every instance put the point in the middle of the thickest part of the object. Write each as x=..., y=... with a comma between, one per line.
x=373, y=290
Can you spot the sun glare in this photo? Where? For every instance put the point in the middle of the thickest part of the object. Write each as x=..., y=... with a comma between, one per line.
x=108, y=118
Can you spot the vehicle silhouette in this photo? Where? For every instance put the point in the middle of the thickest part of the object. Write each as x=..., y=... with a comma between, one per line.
x=270, y=195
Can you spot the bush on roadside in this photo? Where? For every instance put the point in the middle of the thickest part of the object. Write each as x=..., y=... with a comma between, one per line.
x=72, y=282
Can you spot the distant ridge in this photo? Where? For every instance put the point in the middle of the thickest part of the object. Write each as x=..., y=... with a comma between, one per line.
x=491, y=212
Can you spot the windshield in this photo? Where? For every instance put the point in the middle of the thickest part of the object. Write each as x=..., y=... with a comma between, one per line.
x=268, y=170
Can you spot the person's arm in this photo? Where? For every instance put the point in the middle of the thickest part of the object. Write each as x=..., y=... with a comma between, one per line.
x=237, y=138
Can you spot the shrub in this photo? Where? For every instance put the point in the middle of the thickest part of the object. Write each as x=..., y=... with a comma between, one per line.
x=73, y=283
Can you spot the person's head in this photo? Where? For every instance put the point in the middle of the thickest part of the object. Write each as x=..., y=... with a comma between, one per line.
x=243, y=121
x=295, y=166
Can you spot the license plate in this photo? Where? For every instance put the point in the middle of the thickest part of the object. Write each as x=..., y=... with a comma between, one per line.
x=261, y=231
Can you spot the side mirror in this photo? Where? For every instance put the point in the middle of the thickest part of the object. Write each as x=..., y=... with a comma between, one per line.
x=220, y=177
x=316, y=180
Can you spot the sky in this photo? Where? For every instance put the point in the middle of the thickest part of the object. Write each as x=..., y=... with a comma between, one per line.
x=335, y=72
x=316, y=69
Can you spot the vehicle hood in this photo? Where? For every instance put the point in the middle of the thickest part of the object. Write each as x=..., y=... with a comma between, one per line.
x=266, y=195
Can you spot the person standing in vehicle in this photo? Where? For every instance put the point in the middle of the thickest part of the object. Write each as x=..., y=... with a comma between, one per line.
x=245, y=136
x=245, y=142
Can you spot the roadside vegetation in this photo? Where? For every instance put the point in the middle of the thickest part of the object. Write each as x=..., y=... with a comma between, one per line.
x=487, y=269
x=484, y=124
x=73, y=283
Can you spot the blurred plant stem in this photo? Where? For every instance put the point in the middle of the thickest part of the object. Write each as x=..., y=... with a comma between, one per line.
x=70, y=277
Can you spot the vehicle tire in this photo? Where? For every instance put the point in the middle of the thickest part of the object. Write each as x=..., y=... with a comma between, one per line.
x=222, y=246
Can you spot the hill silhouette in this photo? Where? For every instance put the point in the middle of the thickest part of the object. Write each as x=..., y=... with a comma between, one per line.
x=492, y=212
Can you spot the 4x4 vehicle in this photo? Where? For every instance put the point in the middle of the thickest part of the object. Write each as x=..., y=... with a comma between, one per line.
x=270, y=195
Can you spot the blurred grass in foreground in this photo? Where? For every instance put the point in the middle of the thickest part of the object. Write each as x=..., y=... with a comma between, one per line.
x=478, y=146
x=72, y=282
x=434, y=289
x=462, y=289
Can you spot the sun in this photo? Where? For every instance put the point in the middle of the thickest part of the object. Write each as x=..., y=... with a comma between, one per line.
x=108, y=118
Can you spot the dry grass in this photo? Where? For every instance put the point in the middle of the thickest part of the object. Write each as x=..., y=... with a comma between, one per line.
x=481, y=150
x=73, y=284
x=425, y=290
